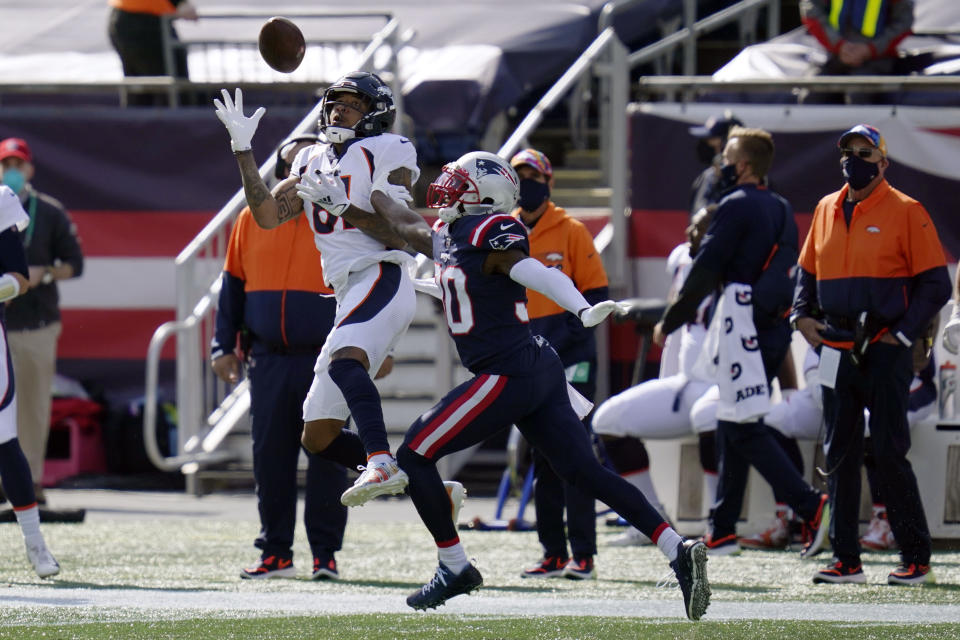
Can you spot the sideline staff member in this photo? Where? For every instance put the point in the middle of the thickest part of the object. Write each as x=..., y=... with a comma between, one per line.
x=561, y=242
x=872, y=275
x=751, y=240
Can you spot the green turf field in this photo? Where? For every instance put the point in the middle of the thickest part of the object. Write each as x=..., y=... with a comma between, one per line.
x=177, y=578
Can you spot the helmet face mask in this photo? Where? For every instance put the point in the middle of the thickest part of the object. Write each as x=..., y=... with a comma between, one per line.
x=380, y=110
x=475, y=184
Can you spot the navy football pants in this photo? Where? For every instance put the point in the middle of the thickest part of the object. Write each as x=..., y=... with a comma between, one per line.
x=278, y=385
x=882, y=384
x=552, y=496
x=538, y=404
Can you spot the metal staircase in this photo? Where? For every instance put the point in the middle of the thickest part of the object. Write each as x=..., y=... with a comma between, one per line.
x=213, y=428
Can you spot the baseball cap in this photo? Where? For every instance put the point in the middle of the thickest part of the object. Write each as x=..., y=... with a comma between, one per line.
x=15, y=148
x=868, y=132
x=533, y=158
x=716, y=126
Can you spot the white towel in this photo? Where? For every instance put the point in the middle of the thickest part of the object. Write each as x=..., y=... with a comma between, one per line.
x=11, y=211
x=731, y=356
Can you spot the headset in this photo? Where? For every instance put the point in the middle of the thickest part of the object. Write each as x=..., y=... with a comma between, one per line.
x=282, y=166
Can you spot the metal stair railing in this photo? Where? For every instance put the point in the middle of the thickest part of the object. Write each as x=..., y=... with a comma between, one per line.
x=207, y=409
x=236, y=59
x=608, y=60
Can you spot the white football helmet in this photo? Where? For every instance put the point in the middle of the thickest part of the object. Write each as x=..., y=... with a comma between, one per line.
x=476, y=183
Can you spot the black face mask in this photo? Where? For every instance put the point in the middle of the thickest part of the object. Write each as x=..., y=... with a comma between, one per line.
x=858, y=172
x=728, y=178
x=532, y=194
x=705, y=152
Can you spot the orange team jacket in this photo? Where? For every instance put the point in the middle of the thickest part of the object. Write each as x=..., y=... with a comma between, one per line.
x=273, y=287
x=889, y=263
x=562, y=242
x=153, y=7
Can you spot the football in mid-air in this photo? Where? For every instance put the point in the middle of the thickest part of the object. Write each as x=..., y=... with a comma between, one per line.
x=281, y=44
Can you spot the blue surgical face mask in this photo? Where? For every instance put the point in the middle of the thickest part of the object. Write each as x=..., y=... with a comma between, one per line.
x=532, y=194
x=14, y=178
x=858, y=172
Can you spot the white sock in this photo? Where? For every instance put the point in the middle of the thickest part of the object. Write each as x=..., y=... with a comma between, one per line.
x=711, y=480
x=380, y=458
x=668, y=541
x=29, y=520
x=453, y=557
x=642, y=481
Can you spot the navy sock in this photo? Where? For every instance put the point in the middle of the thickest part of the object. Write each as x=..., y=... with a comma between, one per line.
x=428, y=494
x=346, y=449
x=364, y=401
x=15, y=474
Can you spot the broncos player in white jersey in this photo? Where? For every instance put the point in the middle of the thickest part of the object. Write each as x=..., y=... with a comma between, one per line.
x=336, y=183
x=14, y=470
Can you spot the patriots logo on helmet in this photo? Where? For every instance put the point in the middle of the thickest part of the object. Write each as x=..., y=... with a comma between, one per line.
x=486, y=167
x=504, y=240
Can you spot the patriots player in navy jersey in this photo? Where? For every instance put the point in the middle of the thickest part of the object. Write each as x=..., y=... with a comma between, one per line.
x=482, y=268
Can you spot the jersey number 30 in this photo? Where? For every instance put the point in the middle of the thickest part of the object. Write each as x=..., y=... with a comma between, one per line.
x=457, y=306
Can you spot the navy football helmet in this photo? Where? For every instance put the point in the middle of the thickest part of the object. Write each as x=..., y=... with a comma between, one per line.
x=476, y=183
x=380, y=114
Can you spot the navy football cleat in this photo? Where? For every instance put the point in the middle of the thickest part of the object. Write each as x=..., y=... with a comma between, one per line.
x=444, y=586
x=690, y=568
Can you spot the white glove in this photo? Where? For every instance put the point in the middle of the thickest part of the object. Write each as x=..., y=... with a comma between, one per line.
x=951, y=332
x=326, y=190
x=240, y=127
x=592, y=316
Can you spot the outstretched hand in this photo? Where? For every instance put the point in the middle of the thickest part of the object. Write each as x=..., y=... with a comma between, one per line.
x=326, y=190
x=240, y=127
x=592, y=316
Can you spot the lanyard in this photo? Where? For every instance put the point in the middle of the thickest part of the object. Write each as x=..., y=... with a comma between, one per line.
x=32, y=212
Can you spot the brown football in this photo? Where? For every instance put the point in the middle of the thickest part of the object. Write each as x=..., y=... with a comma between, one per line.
x=281, y=44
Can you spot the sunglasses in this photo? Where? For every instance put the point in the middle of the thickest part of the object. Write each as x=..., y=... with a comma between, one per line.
x=863, y=152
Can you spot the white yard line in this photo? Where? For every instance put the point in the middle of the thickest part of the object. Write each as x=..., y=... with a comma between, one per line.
x=156, y=604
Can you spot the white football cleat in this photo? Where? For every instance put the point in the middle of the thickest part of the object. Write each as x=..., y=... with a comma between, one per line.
x=376, y=480
x=632, y=537
x=457, y=493
x=42, y=560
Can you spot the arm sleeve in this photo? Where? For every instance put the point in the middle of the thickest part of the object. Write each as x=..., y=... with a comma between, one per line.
x=700, y=282
x=233, y=296
x=930, y=286
x=552, y=283
x=813, y=14
x=719, y=244
x=805, y=302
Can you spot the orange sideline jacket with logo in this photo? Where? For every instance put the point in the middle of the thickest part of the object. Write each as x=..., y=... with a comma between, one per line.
x=889, y=262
